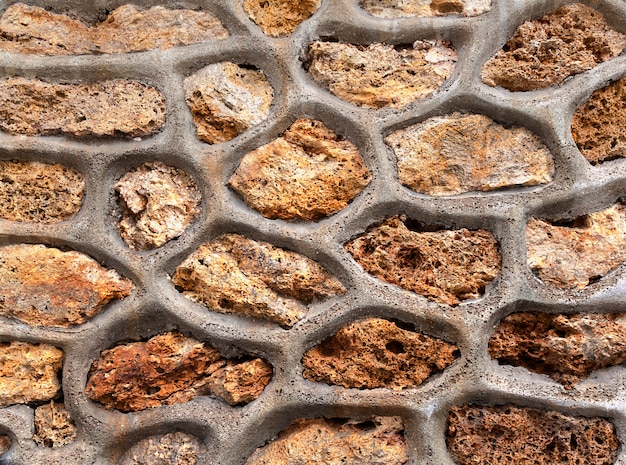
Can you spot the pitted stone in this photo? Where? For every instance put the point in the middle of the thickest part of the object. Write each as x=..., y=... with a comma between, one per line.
x=279, y=18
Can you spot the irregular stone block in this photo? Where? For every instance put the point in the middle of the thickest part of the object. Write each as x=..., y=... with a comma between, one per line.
x=171, y=368
x=403, y=8
x=159, y=203
x=109, y=108
x=44, y=286
x=526, y=436
x=308, y=173
x=35, y=192
x=545, y=51
x=225, y=99
x=279, y=18
x=375, y=353
x=380, y=75
x=166, y=449
x=571, y=257
x=53, y=426
x=234, y=274
x=444, y=266
x=462, y=153
x=379, y=441
x=5, y=443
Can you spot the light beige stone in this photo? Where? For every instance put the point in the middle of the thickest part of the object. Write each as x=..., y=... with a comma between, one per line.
x=279, y=18
x=406, y=8
x=54, y=426
x=166, y=449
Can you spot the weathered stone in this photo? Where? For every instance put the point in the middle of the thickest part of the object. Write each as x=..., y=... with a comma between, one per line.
x=109, y=108
x=278, y=18
x=403, y=8
x=571, y=257
x=545, y=51
x=171, y=368
x=225, y=99
x=380, y=75
x=159, y=203
x=375, y=353
x=445, y=266
x=511, y=435
x=33, y=30
x=29, y=372
x=167, y=449
x=463, y=153
x=36, y=192
x=234, y=274
x=379, y=441
x=308, y=173
x=53, y=426
x=44, y=286
x=5, y=443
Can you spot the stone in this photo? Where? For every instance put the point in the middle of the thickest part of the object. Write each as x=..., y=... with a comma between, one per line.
x=53, y=426
x=235, y=274
x=226, y=99
x=112, y=108
x=29, y=372
x=45, y=286
x=379, y=441
x=460, y=153
x=159, y=202
x=33, y=30
x=175, y=448
x=279, y=18
x=376, y=353
x=544, y=52
x=35, y=192
x=576, y=255
x=171, y=368
x=380, y=75
x=445, y=266
x=510, y=435
x=404, y=8
x=306, y=174
x=5, y=443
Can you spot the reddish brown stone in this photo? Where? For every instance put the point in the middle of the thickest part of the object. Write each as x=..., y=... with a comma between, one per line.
x=5, y=443
x=53, y=426
x=279, y=18
x=403, y=8
x=166, y=449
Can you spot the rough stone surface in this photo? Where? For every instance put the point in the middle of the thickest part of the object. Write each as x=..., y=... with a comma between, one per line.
x=279, y=18
x=109, y=108
x=53, y=426
x=308, y=173
x=167, y=449
x=5, y=443
x=29, y=372
x=379, y=441
x=445, y=266
x=171, y=368
x=33, y=30
x=380, y=75
x=36, y=192
x=159, y=203
x=376, y=353
x=234, y=274
x=545, y=51
x=225, y=99
x=571, y=257
x=511, y=435
x=403, y=8
x=44, y=286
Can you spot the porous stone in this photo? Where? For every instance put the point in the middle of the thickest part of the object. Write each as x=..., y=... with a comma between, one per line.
x=510, y=435
x=571, y=257
x=45, y=286
x=404, y=8
x=379, y=441
x=544, y=52
x=53, y=426
x=462, y=153
x=109, y=108
x=159, y=203
x=380, y=75
x=445, y=266
x=376, y=353
x=166, y=449
x=5, y=443
x=225, y=99
x=234, y=274
x=171, y=368
x=308, y=173
x=33, y=30
x=35, y=192
x=279, y=18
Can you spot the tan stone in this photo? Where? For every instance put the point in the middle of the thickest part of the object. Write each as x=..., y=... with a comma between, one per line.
x=375, y=353
x=5, y=443
x=166, y=449
x=234, y=274
x=279, y=18
x=308, y=173
x=571, y=257
x=53, y=426
x=545, y=51
x=462, y=153
x=380, y=75
x=445, y=266
x=35, y=192
x=404, y=8
x=379, y=441
x=225, y=99
x=242, y=382
x=525, y=436
x=109, y=108
x=44, y=286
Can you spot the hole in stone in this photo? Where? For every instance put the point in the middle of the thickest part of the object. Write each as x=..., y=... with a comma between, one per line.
x=395, y=347
x=366, y=425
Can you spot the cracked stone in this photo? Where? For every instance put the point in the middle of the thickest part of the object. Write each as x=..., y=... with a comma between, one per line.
x=175, y=448
x=279, y=18
x=53, y=426
x=403, y=8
